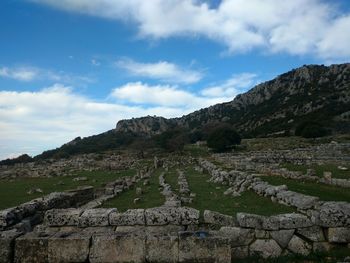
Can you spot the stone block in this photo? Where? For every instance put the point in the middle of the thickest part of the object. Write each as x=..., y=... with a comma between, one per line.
x=265, y=248
x=7, y=242
x=313, y=233
x=299, y=246
x=95, y=217
x=131, y=217
x=162, y=248
x=162, y=216
x=32, y=247
x=68, y=247
x=215, y=218
x=282, y=237
x=117, y=247
x=239, y=252
x=250, y=220
x=321, y=247
x=261, y=234
x=62, y=217
x=237, y=236
x=339, y=235
x=189, y=216
x=334, y=214
x=292, y=221
x=204, y=249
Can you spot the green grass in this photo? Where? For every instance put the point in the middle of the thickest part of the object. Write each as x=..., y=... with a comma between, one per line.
x=196, y=150
x=323, y=191
x=211, y=198
x=14, y=192
x=336, y=173
x=151, y=196
x=171, y=177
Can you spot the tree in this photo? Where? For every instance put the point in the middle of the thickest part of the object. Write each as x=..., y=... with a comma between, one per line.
x=311, y=129
x=223, y=138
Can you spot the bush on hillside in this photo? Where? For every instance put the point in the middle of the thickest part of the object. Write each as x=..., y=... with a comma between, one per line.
x=223, y=138
x=311, y=130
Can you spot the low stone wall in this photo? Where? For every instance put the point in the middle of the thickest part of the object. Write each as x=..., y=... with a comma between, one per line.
x=177, y=234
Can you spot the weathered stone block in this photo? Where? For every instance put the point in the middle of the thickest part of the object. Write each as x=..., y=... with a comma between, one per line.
x=189, y=216
x=334, y=214
x=250, y=220
x=237, y=236
x=265, y=248
x=299, y=246
x=95, y=217
x=282, y=237
x=162, y=248
x=62, y=217
x=68, y=247
x=339, y=235
x=291, y=221
x=32, y=247
x=131, y=217
x=7, y=242
x=204, y=249
x=239, y=252
x=321, y=247
x=261, y=234
x=162, y=216
x=118, y=247
x=313, y=233
x=211, y=217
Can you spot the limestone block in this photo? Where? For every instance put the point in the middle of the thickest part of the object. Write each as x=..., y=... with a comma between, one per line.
x=211, y=217
x=7, y=242
x=334, y=214
x=95, y=217
x=299, y=246
x=62, y=217
x=68, y=247
x=250, y=220
x=162, y=216
x=117, y=247
x=32, y=247
x=131, y=217
x=189, y=216
x=239, y=252
x=57, y=200
x=9, y=217
x=204, y=249
x=261, y=234
x=282, y=237
x=298, y=200
x=162, y=248
x=321, y=247
x=237, y=236
x=339, y=235
x=313, y=233
x=265, y=248
x=293, y=220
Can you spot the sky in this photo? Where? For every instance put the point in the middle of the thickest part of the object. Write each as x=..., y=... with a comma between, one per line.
x=73, y=68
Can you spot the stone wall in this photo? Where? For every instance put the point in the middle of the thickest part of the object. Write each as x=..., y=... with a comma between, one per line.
x=176, y=234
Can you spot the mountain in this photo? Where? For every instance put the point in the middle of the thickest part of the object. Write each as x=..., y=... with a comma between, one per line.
x=309, y=93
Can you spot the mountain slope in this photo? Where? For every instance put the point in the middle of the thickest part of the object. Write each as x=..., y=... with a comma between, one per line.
x=312, y=92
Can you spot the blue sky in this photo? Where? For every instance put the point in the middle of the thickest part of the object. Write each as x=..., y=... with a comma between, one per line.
x=73, y=68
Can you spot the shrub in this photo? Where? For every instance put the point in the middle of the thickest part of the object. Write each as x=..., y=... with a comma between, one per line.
x=311, y=130
x=223, y=138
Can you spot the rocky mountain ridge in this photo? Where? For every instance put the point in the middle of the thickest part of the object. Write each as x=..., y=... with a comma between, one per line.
x=312, y=92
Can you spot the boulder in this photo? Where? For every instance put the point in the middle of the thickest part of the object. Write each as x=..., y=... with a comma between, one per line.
x=265, y=248
x=215, y=218
x=62, y=217
x=131, y=217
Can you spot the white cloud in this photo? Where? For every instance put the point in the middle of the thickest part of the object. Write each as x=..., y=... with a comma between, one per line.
x=96, y=63
x=29, y=74
x=161, y=70
x=31, y=122
x=238, y=83
x=21, y=74
x=296, y=27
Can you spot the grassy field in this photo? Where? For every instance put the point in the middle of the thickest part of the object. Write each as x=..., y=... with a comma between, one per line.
x=210, y=196
x=336, y=172
x=151, y=196
x=323, y=191
x=171, y=177
x=14, y=192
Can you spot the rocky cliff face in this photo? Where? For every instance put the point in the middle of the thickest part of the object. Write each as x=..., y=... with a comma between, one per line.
x=311, y=92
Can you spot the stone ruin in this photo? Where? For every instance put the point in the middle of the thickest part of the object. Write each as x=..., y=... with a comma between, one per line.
x=70, y=226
